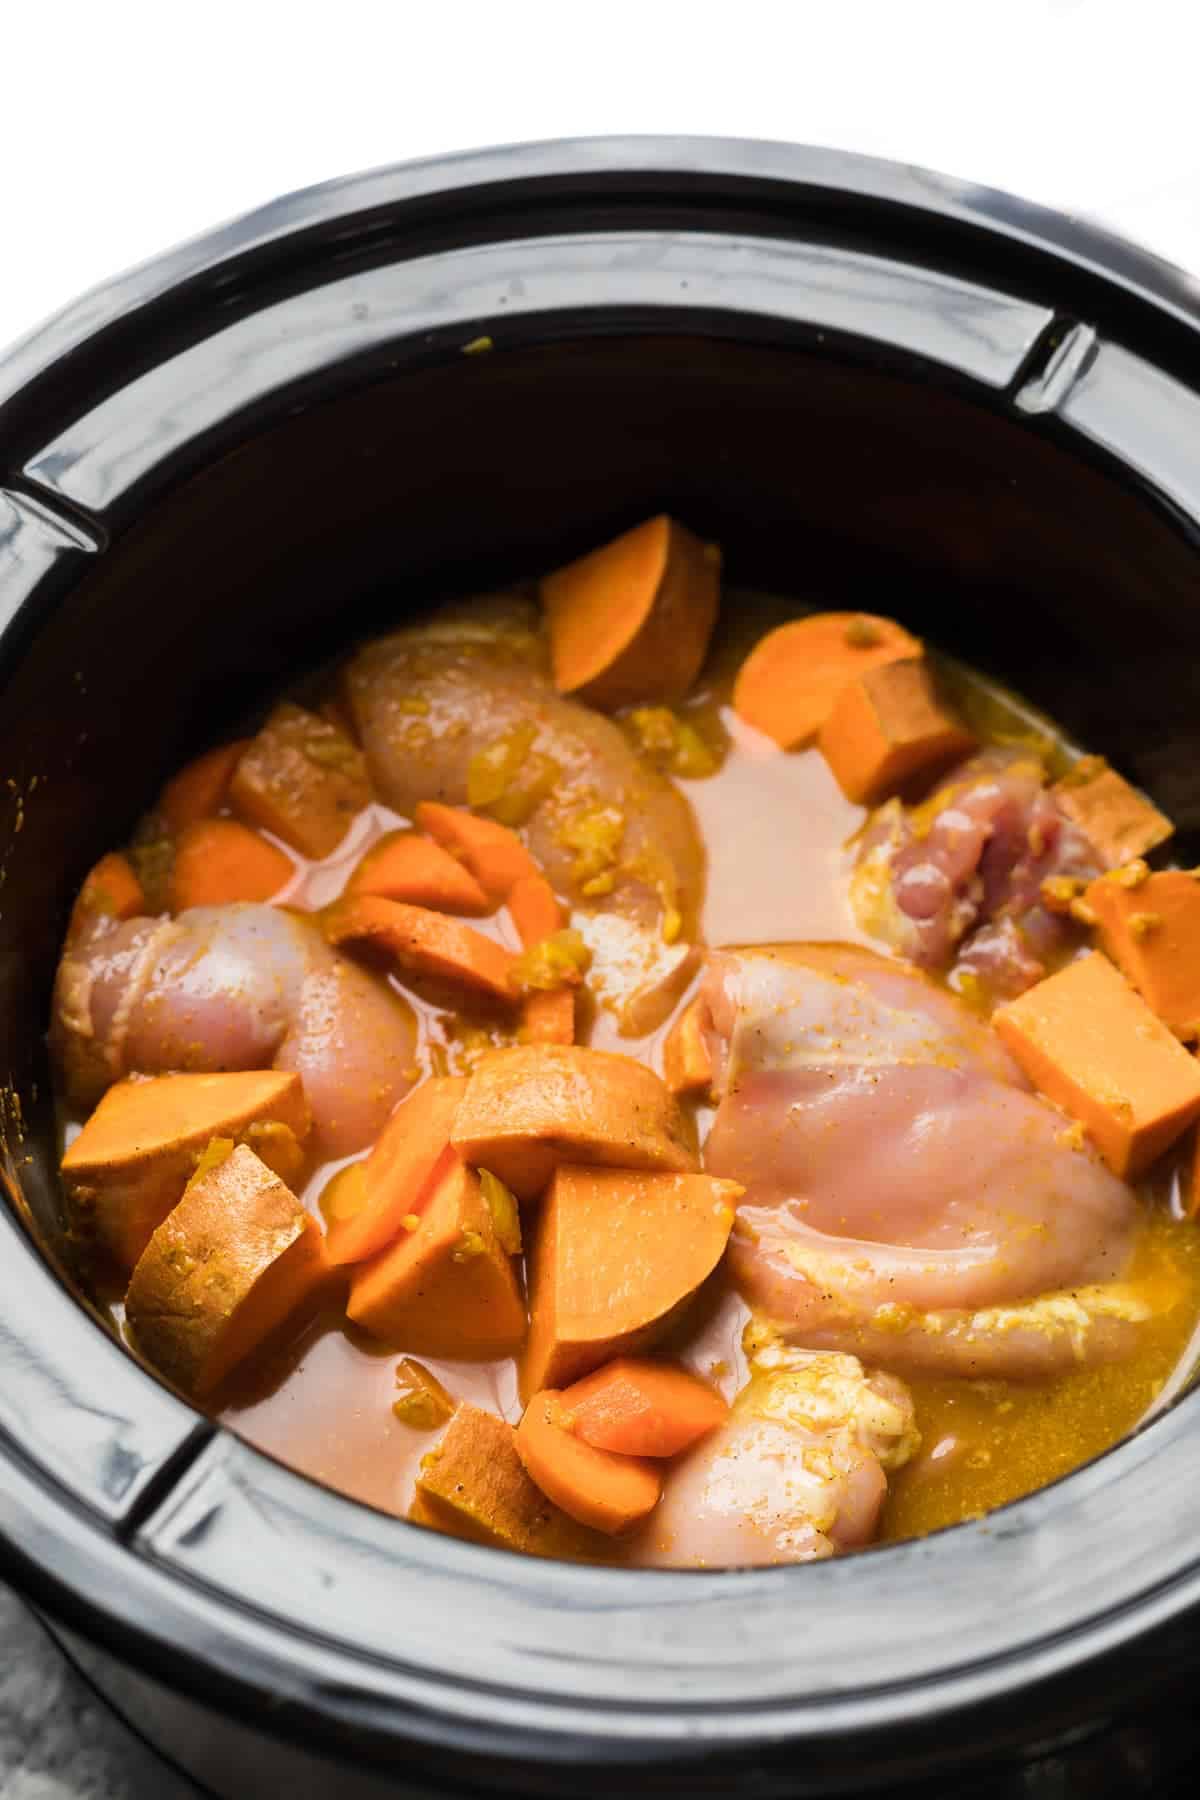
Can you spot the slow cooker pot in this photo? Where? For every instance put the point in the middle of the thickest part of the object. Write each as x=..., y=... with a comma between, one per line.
x=863, y=380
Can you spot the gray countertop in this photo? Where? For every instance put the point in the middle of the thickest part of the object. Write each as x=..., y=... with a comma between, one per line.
x=58, y=1741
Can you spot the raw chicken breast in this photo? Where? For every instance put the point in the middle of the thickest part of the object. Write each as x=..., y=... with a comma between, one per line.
x=612, y=834
x=797, y=1472
x=236, y=987
x=906, y=1192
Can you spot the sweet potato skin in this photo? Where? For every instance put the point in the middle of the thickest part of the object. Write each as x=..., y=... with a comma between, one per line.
x=531, y=1107
x=615, y=1257
x=232, y=1262
x=130, y=1163
x=474, y=1485
x=1120, y=823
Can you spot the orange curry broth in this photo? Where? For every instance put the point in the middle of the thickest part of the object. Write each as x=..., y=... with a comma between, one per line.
x=778, y=836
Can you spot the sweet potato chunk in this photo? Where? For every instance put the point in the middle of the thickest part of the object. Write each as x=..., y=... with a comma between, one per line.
x=687, y=1059
x=887, y=726
x=201, y=788
x=637, y=1407
x=225, y=1270
x=532, y=1107
x=616, y=1255
x=789, y=682
x=609, y=1493
x=630, y=622
x=1087, y=1040
x=111, y=891
x=495, y=856
x=130, y=1163
x=302, y=779
x=473, y=1485
x=1150, y=926
x=220, y=861
x=395, y=1179
x=404, y=865
x=1119, y=822
x=446, y=1286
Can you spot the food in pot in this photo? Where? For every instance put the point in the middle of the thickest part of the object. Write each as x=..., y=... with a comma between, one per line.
x=642, y=1077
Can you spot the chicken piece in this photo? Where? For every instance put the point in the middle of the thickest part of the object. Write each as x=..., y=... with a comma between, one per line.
x=798, y=1472
x=462, y=710
x=897, y=1165
x=236, y=987
x=957, y=881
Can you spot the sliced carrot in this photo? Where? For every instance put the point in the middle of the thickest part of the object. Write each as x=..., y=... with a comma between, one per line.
x=630, y=622
x=474, y=1485
x=1118, y=821
x=1092, y=1045
x=302, y=780
x=528, y=1108
x=130, y=1163
x=616, y=1255
x=200, y=789
x=424, y=942
x=394, y=1181
x=495, y=855
x=403, y=865
x=548, y=1018
x=236, y=1258
x=636, y=1407
x=446, y=1286
x=110, y=891
x=219, y=861
x=888, y=726
x=787, y=685
x=606, y=1492
x=1150, y=926
x=687, y=1059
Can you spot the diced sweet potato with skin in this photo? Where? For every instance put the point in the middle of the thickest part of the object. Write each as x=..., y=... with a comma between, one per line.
x=110, y=892
x=616, y=1255
x=687, y=1059
x=218, y=862
x=404, y=865
x=474, y=1485
x=1092, y=1045
x=630, y=622
x=636, y=1407
x=789, y=682
x=397, y=1176
x=130, y=1163
x=608, y=1493
x=200, y=790
x=1150, y=926
x=548, y=1018
x=446, y=1286
x=301, y=779
x=495, y=855
x=229, y=1266
x=537, y=1105
x=424, y=942
x=1120, y=823
x=888, y=726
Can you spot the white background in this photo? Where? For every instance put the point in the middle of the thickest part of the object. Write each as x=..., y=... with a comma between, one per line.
x=126, y=126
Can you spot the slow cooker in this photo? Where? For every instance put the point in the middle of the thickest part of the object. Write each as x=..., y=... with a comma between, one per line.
x=863, y=380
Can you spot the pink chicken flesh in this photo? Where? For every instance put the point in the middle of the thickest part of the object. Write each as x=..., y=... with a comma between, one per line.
x=236, y=987
x=908, y=1198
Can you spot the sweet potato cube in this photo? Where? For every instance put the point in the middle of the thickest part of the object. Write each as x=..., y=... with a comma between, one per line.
x=228, y=1267
x=473, y=1485
x=130, y=1163
x=1150, y=926
x=887, y=726
x=302, y=779
x=616, y=1254
x=1092, y=1045
x=687, y=1059
x=630, y=622
x=1119, y=822
x=424, y=942
x=446, y=1286
x=532, y=1107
